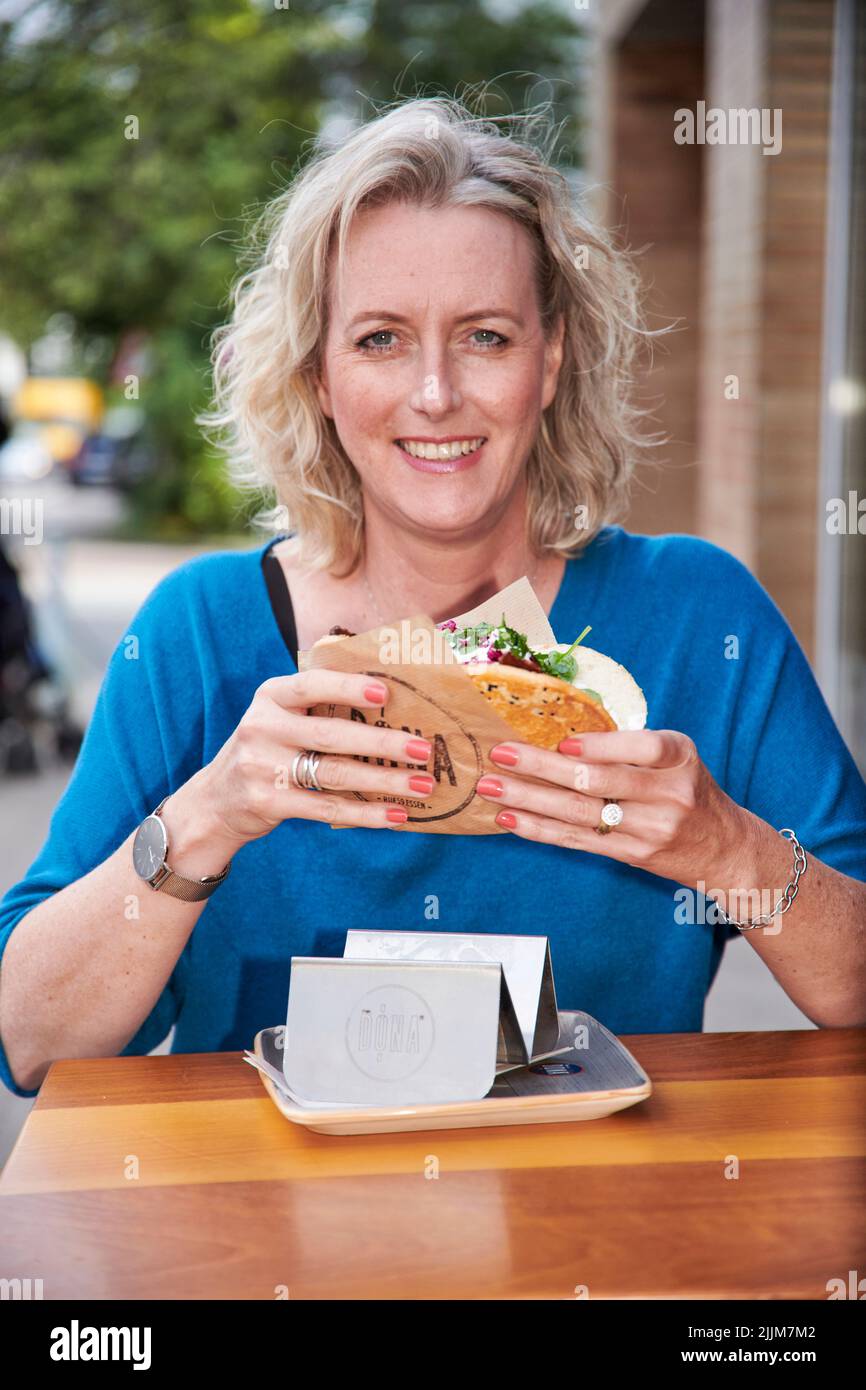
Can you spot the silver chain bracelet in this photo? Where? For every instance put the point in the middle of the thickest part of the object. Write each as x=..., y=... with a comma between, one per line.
x=787, y=897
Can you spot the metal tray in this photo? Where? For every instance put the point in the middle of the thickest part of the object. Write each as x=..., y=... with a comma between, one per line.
x=607, y=1079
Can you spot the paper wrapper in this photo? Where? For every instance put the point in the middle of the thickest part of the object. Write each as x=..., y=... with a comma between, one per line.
x=432, y=697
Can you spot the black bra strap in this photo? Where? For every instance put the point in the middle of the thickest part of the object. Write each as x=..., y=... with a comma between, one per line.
x=281, y=601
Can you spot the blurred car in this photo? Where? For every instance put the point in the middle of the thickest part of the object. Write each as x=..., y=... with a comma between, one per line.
x=59, y=412
x=119, y=455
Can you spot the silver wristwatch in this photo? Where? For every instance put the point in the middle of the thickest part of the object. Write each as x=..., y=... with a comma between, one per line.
x=149, y=851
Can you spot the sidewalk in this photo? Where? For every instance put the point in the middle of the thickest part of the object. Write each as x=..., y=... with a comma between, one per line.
x=84, y=593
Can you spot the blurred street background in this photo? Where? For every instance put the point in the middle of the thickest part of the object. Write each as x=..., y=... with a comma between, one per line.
x=136, y=144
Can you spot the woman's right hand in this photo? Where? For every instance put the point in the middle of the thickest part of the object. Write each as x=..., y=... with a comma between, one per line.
x=248, y=788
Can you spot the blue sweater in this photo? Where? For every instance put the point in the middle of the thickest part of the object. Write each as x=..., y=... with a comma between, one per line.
x=715, y=658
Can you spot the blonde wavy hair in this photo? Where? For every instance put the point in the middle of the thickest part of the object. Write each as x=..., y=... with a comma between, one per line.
x=435, y=152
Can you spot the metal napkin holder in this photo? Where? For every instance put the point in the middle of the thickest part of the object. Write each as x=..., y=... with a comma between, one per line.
x=417, y=1017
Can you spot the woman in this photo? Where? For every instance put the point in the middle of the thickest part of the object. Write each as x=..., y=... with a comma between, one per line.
x=434, y=382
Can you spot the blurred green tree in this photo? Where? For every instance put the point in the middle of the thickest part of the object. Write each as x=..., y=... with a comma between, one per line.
x=138, y=140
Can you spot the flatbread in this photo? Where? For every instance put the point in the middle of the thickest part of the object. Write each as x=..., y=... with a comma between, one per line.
x=541, y=709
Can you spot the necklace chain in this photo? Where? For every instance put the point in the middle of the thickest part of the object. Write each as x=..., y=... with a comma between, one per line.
x=378, y=612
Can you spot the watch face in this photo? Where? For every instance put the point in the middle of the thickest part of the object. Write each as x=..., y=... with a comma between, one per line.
x=148, y=848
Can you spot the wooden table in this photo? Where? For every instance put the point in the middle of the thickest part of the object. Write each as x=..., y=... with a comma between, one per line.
x=232, y=1201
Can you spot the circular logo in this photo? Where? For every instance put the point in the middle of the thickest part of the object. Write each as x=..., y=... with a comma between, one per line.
x=389, y=1033
x=457, y=760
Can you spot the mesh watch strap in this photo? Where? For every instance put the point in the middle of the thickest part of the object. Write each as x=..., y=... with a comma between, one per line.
x=189, y=890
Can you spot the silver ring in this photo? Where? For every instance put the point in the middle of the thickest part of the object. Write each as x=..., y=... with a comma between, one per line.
x=611, y=817
x=305, y=765
x=295, y=761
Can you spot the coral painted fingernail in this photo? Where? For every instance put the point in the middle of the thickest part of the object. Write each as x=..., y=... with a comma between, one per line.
x=573, y=747
x=490, y=786
x=504, y=755
x=506, y=820
x=396, y=815
x=376, y=693
x=418, y=749
x=422, y=784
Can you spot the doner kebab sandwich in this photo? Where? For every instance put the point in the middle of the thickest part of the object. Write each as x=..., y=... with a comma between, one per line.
x=546, y=694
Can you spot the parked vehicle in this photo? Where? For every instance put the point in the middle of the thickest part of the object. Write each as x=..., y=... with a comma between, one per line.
x=119, y=455
x=56, y=413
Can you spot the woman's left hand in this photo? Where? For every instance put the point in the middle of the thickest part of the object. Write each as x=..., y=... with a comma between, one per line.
x=677, y=822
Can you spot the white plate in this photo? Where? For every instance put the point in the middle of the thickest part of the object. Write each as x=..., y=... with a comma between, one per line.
x=609, y=1079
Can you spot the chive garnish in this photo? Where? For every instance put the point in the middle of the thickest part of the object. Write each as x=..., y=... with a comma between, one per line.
x=576, y=641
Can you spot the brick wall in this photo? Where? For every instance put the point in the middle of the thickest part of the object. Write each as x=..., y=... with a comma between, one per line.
x=735, y=249
x=800, y=44
x=656, y=203
x=762, y=297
